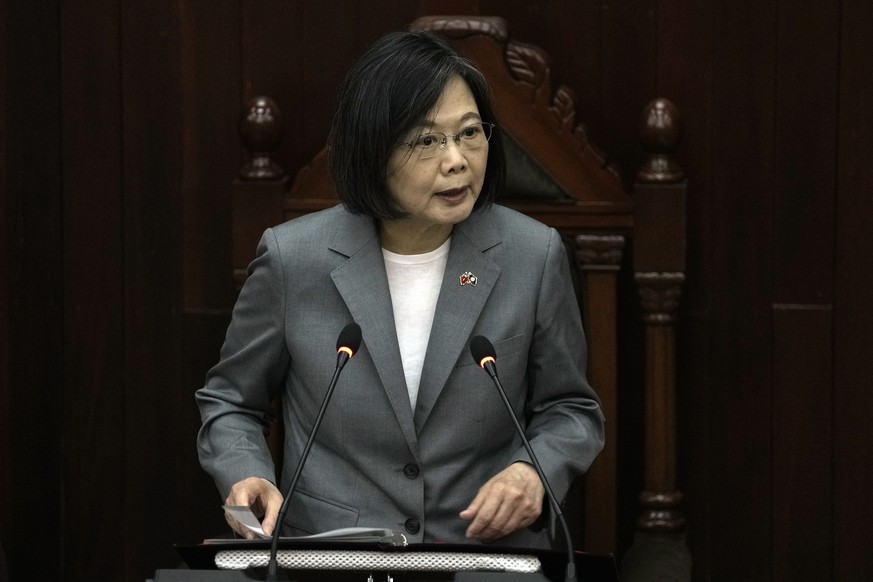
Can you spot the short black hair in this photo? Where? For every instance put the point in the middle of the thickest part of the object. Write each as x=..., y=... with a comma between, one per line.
x=389, y=91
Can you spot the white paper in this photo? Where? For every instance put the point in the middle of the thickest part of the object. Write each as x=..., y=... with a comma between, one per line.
x=244, y=515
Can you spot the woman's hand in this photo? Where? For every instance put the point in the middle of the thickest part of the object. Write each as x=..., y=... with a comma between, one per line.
x=509, y=501
x=264, y=499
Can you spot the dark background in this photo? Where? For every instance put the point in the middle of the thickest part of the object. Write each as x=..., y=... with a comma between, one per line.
x=118, y=149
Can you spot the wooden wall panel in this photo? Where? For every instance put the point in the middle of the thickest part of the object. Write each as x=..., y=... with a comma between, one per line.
x=209, y=69
x=6, y=449
x=31, y=292
x=7, y=203
x=805, y=161
x=628, y=64
x=807, y=88
x=802, y=507
x=739, y=349
x=152, y=169
x=94, y=375
x=853, y=327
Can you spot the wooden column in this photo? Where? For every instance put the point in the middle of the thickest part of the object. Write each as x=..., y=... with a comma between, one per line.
x=659, y=270
x=599, y=258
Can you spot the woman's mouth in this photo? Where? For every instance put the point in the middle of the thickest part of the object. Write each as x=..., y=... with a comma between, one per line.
x=453, y=195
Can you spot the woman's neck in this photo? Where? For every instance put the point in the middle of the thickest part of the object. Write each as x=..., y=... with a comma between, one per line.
x=402, y=238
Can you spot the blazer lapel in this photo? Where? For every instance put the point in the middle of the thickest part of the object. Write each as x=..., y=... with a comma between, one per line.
x=458, y=306
x=363, y=285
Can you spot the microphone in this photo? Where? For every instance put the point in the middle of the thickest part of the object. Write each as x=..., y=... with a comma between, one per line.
x=347, y=345
x=485, y=356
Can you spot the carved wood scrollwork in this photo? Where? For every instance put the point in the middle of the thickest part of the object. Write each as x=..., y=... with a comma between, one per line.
x=530, y=66
x=461, y=26
x=528, y=63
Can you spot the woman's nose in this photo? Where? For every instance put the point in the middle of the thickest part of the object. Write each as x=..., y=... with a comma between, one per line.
x=453, y=156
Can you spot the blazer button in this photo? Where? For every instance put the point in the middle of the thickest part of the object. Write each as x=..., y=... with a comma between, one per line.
x=411, y=470
x=412, y=526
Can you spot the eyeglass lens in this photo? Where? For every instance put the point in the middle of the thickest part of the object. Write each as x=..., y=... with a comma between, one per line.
x=471, y=137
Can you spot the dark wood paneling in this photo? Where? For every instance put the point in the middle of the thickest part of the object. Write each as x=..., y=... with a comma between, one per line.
x=807, y=85
x=156, y=403
x=853, y=327
x=628, y=63
x=7, y=203
x=94, y=375
x=209, y=68
x=31, y=296
x=806, y=133
x=802, y=512
x=807, y=89
x=739, y=334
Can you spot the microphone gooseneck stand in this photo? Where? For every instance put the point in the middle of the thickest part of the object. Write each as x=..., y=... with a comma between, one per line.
x=484, y=354
x=347, y=345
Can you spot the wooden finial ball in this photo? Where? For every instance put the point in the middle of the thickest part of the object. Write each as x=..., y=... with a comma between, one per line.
x=261, y=126
x=261, y=130
x=660, y=127
x=660, y=133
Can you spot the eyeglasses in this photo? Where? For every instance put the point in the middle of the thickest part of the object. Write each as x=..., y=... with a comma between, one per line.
x=471, y=137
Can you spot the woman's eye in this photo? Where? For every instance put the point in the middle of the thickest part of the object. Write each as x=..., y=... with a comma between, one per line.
x=426, y=141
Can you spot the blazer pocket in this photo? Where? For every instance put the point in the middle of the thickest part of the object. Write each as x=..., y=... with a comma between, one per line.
x=509, y=346
x=502, y=348
x=306, y=511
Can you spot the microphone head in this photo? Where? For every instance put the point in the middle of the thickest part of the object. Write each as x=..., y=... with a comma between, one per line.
x=482, y=350
x=349, y=339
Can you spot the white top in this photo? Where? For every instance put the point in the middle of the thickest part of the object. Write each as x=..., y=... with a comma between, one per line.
x=414, y=282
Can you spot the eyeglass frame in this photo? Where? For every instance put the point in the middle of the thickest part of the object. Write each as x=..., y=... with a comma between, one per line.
x=456, y=137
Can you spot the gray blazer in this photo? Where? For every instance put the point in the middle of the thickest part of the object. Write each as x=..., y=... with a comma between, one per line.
x=375, y=461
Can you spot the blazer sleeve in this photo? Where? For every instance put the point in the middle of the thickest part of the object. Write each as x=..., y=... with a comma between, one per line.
x=234, y=403
x=564, y=419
